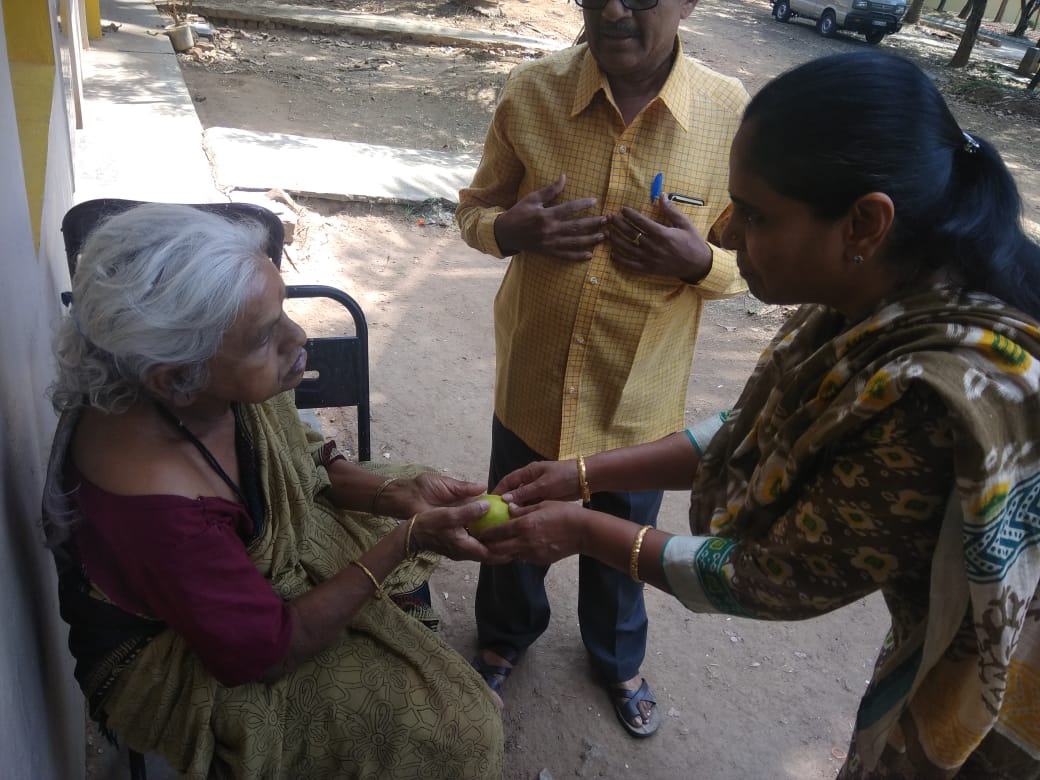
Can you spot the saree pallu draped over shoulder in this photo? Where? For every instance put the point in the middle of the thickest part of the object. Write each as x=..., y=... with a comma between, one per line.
x=962, y=685
x=388, y=700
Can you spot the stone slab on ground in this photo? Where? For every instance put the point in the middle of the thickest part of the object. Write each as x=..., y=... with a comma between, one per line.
x=330, y=20
x=336, y=170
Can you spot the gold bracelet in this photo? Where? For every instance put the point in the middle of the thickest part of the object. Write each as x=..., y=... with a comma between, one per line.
x=408, y=539
x=379, y=492
x=633, y=561
x=583, y=482
x=371, y=576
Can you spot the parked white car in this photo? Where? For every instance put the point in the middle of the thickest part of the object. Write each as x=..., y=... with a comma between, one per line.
x=874, y=18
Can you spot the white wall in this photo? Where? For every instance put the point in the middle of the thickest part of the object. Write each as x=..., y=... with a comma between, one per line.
x=41, y=709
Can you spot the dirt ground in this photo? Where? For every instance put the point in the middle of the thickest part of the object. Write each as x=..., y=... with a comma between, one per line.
x=740, y=699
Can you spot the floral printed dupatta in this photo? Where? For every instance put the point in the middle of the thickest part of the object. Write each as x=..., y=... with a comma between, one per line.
x=971, y=671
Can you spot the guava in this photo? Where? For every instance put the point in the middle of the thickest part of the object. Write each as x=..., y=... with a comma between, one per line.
x=497, y=514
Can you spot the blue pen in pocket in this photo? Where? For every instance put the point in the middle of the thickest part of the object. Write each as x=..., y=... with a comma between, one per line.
x=655, y=188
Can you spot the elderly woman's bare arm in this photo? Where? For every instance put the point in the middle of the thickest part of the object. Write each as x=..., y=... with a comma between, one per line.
x=321, y=615
x=353, y=487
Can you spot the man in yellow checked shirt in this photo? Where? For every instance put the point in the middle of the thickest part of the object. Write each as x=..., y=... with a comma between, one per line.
x=604, y=177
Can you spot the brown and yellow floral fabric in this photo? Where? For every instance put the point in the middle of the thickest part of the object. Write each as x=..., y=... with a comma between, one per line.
x=897, y=454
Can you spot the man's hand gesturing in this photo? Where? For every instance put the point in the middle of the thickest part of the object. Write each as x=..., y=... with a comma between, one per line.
x=532, y=225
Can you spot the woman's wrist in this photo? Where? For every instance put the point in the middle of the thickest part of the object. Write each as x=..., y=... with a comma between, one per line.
x=634, y=553
x=374, y=508
x=583, y=479
x=583, y=531
x=398, y=498
x=398, y=539
x=411, y=544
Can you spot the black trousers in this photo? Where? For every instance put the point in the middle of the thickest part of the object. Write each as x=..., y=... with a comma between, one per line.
x=512, y=608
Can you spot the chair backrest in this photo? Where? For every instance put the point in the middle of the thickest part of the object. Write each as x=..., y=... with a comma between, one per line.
x=83, y=217
x=337, y=366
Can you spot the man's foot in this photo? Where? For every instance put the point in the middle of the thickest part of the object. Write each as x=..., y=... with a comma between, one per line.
x=635, y=706
x=495, y=669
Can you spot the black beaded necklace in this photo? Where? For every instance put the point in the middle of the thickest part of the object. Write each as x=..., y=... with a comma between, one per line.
x=249, y=494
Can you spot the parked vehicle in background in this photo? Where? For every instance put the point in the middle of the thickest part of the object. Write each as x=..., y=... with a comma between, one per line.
x=874, y=18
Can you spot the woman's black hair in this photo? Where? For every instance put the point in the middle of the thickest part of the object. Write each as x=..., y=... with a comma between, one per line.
x=836, y=128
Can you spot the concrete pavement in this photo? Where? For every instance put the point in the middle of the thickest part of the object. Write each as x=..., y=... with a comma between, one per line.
x=142, y=138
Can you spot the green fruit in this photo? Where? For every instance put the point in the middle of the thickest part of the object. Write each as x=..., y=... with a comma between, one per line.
x=496, y=515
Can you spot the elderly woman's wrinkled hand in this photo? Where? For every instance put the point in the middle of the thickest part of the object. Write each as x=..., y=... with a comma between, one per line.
x=443, y=531
x=544, y=480
x=541, y=534
x=436, y=490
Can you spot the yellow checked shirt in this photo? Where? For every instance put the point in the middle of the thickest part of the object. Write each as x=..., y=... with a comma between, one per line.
x=591, y=356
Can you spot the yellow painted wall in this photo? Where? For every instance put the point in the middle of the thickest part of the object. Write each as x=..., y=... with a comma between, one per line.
x=94, y=19
x=30, y=52
x=28, y=29
x=32, y=86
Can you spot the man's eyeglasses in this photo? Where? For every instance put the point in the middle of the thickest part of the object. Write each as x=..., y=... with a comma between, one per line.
x=631, y=5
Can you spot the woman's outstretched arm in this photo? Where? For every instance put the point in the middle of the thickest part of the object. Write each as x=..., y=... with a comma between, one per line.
x=666, y=464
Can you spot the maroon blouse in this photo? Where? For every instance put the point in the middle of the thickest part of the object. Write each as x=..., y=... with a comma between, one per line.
x=183, y=561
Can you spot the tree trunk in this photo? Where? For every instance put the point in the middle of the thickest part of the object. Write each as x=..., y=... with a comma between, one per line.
x=941, y=7
x=1034, y=81
x=971, y=32
x=913, y=13
x=1028, y=8
x=967, y=9
x=1000, y=11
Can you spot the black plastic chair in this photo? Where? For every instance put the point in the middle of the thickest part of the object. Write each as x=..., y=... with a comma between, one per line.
x=337, y=366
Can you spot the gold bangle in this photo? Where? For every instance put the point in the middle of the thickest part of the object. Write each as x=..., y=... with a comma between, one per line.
x=371, y=576
x=583, y=482
x=633, y=561
x=408, y=538
x=379, y=492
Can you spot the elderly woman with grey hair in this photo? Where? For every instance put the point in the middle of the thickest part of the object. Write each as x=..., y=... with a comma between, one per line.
x=238, y=593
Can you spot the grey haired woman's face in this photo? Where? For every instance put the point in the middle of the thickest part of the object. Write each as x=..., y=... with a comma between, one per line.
x=262, y=354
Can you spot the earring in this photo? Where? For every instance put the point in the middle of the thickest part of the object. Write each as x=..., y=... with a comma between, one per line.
x=857, y=259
